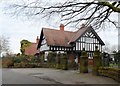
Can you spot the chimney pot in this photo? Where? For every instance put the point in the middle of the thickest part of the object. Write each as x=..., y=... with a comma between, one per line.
x=37, y=39
x=61, y=27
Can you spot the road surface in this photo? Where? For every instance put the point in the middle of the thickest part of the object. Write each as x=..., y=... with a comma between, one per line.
x=51, y=76
x=10, y=76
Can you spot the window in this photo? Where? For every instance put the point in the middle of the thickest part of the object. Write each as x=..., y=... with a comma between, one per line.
x=89, y=40
x=86, y=46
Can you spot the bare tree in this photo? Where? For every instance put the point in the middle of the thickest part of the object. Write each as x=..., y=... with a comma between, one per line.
x=4, y=44
x=107, y=47
x=71, y=11
x=114, y=48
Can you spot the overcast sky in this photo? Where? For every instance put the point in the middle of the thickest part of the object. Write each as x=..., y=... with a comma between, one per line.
x=18, y=29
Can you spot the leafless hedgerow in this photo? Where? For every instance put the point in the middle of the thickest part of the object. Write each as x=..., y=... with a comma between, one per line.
x=71, y=11
x=4, y=44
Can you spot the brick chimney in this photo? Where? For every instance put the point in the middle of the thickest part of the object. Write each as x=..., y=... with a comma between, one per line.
x=37, y=39
x=61, y=27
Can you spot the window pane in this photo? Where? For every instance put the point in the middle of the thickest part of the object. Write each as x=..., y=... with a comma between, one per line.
x=89, y=40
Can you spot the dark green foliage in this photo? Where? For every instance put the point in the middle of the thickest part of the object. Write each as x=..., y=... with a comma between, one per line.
x=113, y=73
x=27, y=65
x=58, y=66
x=21, y=61
x=97, y=62
x=59, y=61
x=84, y=62
x=22, y=58
x=51, y=57
x=117, y=58
x=17, y=60
x=42, y=58
x=64, y=61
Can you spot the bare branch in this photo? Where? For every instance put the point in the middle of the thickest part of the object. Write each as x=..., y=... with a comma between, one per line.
x=72, y=12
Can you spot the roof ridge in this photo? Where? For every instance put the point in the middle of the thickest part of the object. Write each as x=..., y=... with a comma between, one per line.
x=58, y=30
x=85, y=29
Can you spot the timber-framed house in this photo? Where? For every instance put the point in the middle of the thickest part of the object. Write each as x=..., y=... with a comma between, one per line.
x=68, y=41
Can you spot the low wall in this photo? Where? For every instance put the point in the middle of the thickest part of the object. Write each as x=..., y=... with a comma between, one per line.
x=113, y=73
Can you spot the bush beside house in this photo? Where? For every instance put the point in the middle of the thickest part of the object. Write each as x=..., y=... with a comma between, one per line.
x=21, y=61
x=24, y=61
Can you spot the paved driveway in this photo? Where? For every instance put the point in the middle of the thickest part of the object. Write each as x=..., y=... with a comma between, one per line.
x=51, y=76
x=16, y=76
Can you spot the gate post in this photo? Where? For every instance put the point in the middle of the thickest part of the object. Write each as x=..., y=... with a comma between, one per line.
x=64, y=61
x=96, y=61
x=84, y=62
x=58, y=61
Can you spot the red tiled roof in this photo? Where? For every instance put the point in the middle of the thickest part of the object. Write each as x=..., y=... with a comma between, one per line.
x=79, y=33
x=64, y=38
x=57, y=37
x=32, y=49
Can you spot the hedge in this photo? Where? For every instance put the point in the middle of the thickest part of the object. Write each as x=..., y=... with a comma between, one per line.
x=113, y=73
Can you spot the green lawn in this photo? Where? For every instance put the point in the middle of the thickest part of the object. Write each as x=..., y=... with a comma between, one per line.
x=114, y=65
